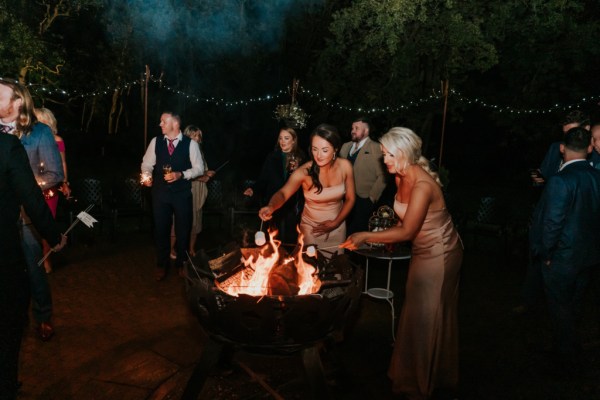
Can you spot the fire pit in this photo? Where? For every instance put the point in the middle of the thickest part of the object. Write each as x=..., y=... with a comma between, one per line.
x=279, y=321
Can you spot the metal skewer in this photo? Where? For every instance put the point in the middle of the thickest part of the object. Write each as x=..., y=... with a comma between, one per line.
x=64, y=234
x=221, y=166
x=323, y=248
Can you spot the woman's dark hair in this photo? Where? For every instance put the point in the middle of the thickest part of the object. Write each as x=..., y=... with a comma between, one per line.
x=329, y=133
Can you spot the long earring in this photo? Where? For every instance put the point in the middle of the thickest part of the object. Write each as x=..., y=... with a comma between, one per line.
x=333, y=156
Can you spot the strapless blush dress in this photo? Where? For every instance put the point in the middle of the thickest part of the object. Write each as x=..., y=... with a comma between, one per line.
x=319, y=208
x=425, y=355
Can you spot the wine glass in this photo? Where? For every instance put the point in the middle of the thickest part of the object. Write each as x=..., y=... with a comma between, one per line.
x=292, y=163
x=167, y=169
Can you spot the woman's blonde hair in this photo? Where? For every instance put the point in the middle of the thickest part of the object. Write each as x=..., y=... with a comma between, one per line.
x=406, y=142
x=45, y=116
x=191, y=130
x=26, y=118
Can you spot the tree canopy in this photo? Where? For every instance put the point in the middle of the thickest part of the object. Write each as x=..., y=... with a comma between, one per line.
x=380, y=54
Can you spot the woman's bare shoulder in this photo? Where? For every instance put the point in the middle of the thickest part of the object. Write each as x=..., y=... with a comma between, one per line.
x=345, y=164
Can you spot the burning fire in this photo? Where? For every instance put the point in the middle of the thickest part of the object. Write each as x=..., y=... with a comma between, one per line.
x=263, y=271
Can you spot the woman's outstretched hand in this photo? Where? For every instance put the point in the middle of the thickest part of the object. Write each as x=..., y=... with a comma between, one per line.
x=266, y=213
x=355, y=240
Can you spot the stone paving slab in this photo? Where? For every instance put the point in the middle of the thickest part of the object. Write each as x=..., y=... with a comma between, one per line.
x=121, y=335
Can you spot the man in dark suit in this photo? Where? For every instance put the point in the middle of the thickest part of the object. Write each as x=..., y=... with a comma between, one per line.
x=172, y=160
x=369, y=175
x=565, y=239
x=17, y=187
x=553, y=158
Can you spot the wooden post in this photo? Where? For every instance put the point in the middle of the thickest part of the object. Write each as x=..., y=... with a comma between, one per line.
x=445, y=87
x=147, y=77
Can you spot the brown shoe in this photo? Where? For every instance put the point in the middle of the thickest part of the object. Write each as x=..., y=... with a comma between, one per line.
x=160, y=274
x=45, y=331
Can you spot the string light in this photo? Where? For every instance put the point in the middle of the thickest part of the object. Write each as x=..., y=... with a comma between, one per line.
x=512, y=110
x=455, y=95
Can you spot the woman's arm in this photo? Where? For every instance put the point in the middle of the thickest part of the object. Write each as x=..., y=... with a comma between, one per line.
x=420, y=199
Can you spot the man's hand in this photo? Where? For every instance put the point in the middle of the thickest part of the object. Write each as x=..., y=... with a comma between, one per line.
x=173, y=176
x=63, y=243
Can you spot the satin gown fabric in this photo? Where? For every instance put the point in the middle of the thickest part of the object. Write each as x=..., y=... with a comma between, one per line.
x=322, y=207
x=425, y=355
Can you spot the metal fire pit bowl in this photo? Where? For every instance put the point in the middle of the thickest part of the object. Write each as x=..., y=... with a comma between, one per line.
x=276, y=324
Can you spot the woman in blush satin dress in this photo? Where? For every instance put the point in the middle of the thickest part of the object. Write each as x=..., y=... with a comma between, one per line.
x=425, y=355
x=328, y=185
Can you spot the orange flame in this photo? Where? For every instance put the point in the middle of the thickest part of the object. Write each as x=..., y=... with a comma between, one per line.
x=307, y=278
x=255, y=277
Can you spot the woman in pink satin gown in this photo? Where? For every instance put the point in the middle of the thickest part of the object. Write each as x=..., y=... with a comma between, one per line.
x=425, y=355
x=328, y=185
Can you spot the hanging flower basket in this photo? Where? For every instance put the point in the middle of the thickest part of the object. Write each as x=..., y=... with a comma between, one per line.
x=292, y=115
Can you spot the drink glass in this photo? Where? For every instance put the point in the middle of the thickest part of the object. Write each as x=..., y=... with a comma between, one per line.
x=167, y=169
x=292, y=163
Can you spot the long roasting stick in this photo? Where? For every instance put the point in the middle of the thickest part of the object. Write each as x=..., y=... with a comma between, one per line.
x=323, y=248
x=64, y=234
x=221, y=166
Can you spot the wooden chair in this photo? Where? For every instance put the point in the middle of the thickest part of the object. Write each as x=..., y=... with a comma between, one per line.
x=487, y=222
x=242, y=205
x=128, y=200
x=215, y=201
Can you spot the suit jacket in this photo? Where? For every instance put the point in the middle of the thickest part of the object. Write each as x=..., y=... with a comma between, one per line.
x=553, y=159
x=272, y=177
x=369, y=175
x=566, y=221
x=19, y=187
x=551, y=162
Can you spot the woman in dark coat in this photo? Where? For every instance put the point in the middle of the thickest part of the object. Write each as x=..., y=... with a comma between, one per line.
x=278, y=166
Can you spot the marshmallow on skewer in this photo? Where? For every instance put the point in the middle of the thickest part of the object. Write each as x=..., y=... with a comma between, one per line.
x=311, y=251
x=259, y=238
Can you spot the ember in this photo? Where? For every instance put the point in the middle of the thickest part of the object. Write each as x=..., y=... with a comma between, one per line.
x=270, y=270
